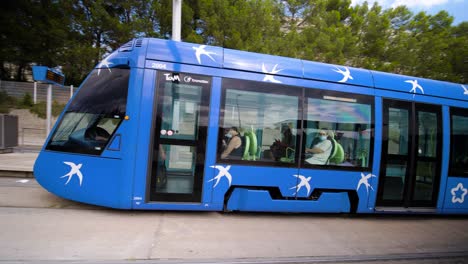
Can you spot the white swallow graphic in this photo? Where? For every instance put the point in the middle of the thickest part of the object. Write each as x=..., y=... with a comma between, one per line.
x=365, y=180
x=459, y=187
x=105, y=63
x=269, y=77
x=200, y=50
x=223, y=172
x=74, y=169
x=346, y=74
x=304, y=183
x=466, y=90
x=415, y=87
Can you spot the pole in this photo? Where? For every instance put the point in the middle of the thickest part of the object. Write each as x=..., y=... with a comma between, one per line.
x=49, y=109
x=71, y=91
x=35, y=92
x=176, y=19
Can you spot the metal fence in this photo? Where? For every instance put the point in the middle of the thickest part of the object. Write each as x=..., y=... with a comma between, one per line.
x=60, y=94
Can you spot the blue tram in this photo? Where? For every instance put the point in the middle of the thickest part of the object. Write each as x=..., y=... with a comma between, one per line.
x=164, y=125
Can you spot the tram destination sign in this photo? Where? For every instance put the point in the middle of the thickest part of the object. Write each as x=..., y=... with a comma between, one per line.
x=47, y=75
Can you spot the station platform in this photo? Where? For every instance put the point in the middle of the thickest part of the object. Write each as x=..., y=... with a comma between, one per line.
x=18, y=164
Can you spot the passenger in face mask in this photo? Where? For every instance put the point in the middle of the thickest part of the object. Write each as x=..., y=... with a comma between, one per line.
x=321, y=148
x=234, y=145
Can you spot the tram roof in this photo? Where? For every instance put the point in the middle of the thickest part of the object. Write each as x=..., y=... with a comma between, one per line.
x=217, y=57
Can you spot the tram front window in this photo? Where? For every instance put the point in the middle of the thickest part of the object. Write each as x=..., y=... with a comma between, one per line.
x=94, y=114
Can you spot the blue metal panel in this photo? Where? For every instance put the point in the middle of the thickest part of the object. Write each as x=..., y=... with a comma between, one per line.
x=143, y=123
x=378, y=123
x=82, y=178
x=129, y=133
x=346, y=181
x=211, y=145
x=179, y=52
x=456, y=198
x=419, y=86
x=420, y=98
x=267, y=64
x=335, y=73
x=261, y=201
x=115, y=143
x=282, y=178
x=445, y=157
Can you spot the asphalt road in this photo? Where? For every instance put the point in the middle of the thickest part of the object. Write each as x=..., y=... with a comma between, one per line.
x=38, y=227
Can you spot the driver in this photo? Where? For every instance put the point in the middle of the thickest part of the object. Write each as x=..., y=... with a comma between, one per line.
x=97, y=133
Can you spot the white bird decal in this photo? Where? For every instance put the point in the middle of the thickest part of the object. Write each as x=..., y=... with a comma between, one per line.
x=74, y=169
x=415, y=87
x=200, y=50
x=304, y=183
x=223, y=172
x=466, y=90
x=365, y=180
x=346, y=74
x=105, y=63
x=269, y=77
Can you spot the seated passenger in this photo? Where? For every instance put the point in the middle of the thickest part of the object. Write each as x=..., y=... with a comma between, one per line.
x=321, y=148
x=97, y=133
x=279, y=147
x=233, y=145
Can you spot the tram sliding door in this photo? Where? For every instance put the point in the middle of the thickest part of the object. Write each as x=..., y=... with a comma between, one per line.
x=411, y=155
x=179, y=137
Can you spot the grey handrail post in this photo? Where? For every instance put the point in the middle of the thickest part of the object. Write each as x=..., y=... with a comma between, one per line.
x=35, y=92
x=176, y=19
x=49, y=109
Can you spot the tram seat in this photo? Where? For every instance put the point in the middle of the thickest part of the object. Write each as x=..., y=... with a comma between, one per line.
x=337, y=153
x=289, y=158
x=251, y=150
x=246, y=147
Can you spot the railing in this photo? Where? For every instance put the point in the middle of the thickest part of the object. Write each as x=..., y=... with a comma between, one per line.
x=34, y=140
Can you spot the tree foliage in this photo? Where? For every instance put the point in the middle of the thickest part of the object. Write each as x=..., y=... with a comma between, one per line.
x=77, y=34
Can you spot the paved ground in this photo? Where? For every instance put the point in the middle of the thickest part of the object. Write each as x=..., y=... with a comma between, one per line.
x=36, y=226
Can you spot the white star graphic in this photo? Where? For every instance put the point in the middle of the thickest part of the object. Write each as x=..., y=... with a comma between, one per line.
x=465, y=89
x=304, y=183
x=269, y=77
x=200, y=50
x=365, y=180
x=346, y=74
x=105, y=63
x=223, y=172
x=415, y=87
x=74, y=169
x=454, y=191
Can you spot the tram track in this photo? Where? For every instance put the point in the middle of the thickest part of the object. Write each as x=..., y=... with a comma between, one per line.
x=410, y=258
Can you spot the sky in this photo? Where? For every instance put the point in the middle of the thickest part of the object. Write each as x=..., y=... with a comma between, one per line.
x=456, y=8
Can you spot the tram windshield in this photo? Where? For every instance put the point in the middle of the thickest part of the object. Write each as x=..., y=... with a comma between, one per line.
x=94, y=114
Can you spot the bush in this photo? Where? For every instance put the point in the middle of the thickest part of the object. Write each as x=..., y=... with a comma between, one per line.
x=27, y=101
x=6, y=102
x=40, y=109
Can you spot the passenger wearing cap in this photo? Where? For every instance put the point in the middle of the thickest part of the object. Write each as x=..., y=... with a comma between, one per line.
x=234, y=145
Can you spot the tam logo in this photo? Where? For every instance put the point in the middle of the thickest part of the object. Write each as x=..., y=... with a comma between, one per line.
x=172, y=78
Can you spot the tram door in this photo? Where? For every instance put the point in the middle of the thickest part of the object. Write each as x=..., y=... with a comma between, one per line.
x=411, y=155
x=179, y=137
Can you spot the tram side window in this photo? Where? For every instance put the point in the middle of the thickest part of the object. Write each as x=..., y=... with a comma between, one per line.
x=259, y=122
x=338, y=130
x=94, y=114
x=459, y=143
